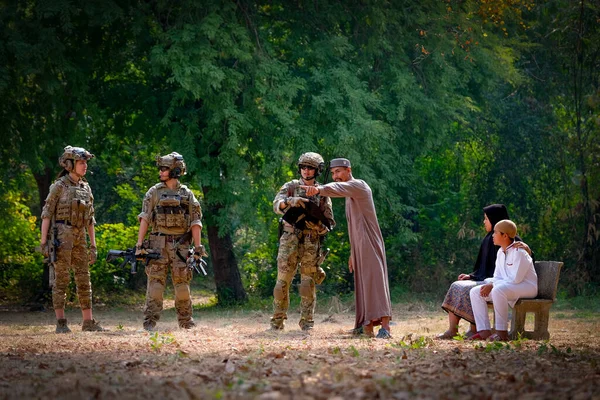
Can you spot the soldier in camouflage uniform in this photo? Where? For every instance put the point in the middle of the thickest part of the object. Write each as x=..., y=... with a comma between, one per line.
x=300, y=244
x=172, y=213
x=68, y=213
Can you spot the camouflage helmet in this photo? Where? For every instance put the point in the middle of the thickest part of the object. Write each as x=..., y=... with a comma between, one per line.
x=174, y=162
x=72, y=154
x=312, y=160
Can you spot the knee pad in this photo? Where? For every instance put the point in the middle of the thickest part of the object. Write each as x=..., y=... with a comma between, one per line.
x=182, y=291
x=279, y=290
x=306, y=287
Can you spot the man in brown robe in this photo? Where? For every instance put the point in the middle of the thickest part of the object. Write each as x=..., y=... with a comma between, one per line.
x=367, y=259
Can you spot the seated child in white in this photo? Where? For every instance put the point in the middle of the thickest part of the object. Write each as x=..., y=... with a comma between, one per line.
x=514, y=278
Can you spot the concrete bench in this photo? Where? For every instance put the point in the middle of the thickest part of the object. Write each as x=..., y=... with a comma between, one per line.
x=548, y=273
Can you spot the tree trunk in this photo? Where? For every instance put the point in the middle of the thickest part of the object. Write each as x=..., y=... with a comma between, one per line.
x=227, y=273
x=43, y=180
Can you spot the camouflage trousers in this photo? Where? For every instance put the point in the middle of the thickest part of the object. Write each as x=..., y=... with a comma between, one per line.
x=294, y=250
x=181, y=276
x=72, y=254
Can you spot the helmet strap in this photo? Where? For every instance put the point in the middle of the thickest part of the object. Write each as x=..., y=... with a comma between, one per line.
x=79, y=177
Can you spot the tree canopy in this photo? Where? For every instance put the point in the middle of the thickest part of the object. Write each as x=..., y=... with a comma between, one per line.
x=443, y=107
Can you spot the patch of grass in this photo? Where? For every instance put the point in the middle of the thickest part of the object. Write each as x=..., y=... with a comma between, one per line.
x=518, y=342
x=353, y=351
x=590, y=303
x=157, y=341
x=423, y=301
x=493, y=346
x=408, y=342
x=126, y=297
x=548, y=348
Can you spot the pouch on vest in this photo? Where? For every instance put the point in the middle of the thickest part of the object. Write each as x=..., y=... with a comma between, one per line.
x=171, y=217
x=79, y=206
x=157, y=242
x=169, y=200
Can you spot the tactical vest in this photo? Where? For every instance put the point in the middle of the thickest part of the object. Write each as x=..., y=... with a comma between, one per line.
x=172, y=211
x=75, y=204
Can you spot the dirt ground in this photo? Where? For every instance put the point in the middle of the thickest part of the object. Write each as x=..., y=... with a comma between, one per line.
x=233, y=355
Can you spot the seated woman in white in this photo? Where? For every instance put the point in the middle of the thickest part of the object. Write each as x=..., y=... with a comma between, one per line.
x=514, y=278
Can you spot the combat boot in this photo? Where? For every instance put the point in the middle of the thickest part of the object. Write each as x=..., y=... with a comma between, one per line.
x=149, y=325
x=277, y=324
x=91, y=325
x=187, y=324
x=306, y=325
x=61, y=326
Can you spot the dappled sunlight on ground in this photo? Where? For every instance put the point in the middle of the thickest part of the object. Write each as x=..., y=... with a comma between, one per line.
x=232, y=354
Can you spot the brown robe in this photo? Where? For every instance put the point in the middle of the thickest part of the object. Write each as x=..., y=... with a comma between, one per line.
x=371, y=287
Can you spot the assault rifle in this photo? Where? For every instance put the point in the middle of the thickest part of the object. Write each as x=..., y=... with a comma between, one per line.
x=53, y=245
x=322, y=257
x=298, y=216
x=128, y=257
x=311, y=212
x=198, y=264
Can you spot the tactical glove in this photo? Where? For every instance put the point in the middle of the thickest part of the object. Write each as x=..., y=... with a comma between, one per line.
x=140, y=252
x=45, y=250
x=197, y=255
x=93, y=254
x=296, y=201
x=201, y=250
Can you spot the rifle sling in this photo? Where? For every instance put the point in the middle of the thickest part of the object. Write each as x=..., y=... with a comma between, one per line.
x=185, y=237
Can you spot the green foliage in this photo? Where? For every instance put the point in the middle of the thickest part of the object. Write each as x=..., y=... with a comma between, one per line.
x=108, y=277
x=20, y=265
x=353, y=351
x=408, y=342
x=442, y=108
x=548, y=348
x=157, y=341
x=493, y=346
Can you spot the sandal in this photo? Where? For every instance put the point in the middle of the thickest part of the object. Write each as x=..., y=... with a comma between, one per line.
x=476, y=336
x=383, y=334
x=445, y=336
x=497, y=338
x=470, y=333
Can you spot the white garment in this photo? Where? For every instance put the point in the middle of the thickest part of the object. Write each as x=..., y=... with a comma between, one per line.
x=514, y=278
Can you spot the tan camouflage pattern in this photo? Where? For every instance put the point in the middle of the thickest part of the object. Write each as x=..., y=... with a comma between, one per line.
x=296, y=249
x=70, y=201
x=311, y=159
x=292, y=189
x=189, y=214
x=172, y=161
x=181, y=276
x=71, y=154
x=72, y=254
x=169, y=224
